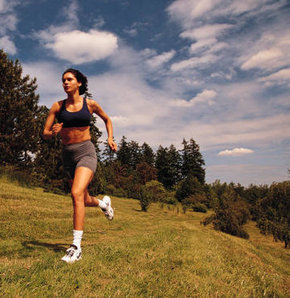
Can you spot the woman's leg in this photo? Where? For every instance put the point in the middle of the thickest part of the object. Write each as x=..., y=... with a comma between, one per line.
x=91, y=201
x=82, y=178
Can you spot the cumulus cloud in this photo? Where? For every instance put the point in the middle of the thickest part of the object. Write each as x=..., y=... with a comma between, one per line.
x=81, y=47
x=205, y=96
x=75, y=46
x=159, y=60
x=235, y=152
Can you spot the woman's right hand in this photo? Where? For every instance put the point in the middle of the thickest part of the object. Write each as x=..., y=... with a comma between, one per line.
x=56, y=128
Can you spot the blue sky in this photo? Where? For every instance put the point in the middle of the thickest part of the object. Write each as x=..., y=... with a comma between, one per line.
x=217, y=71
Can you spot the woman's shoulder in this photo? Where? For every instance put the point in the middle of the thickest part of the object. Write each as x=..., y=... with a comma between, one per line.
x=92, y=103
x=56, y=106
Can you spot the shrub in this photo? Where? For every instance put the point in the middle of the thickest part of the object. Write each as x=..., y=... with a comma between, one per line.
x=157, y=189
x=188, y=187
x=195, y=203
x=274, y=212
x=231, y=213
x=146, y=197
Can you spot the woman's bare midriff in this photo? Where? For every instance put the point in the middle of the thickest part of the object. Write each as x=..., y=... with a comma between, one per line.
x=73, y=135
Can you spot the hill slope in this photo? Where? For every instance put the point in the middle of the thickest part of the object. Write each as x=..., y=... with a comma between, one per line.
x=161, y=253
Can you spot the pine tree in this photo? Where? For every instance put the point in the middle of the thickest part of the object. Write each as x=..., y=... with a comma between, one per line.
x=123, y=154
x=192, y=161
x=95, y=136
x=135, y=154
x=148, y=155
x=168, y=166
x=18, y=113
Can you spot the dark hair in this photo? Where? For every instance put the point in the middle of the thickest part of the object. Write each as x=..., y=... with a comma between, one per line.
x=80, y=78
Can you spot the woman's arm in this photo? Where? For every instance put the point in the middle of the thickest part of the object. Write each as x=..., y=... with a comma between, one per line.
x=109, y=126
x=50, y=129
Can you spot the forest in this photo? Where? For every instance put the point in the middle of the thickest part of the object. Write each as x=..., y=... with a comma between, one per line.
x=166, y=176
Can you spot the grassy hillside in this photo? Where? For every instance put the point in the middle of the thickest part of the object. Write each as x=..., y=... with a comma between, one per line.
x=161, y=253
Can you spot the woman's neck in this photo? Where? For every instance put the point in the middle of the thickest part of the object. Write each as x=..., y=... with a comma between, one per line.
x=74, y=98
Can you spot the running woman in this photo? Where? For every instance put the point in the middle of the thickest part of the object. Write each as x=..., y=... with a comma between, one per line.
x=79, y=155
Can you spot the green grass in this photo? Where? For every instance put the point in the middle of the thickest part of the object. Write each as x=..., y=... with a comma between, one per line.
x=161, y=253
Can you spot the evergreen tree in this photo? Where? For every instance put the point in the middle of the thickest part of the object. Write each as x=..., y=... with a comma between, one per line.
x=95, y=136
x=148, y=155
x=192, y=161
x=162, y=167
x=135, y=154
x=123, y=154
x=190, y=186
x=48, y=159
x=108, y=155
x=168, y=166
x=18, y=113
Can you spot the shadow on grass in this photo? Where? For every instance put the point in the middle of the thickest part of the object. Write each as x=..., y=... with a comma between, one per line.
x=32, y=245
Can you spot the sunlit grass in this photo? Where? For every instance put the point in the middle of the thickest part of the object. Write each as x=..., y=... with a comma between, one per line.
x=161, y=253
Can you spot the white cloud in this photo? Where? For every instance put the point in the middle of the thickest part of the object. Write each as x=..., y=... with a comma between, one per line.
x=270, y=52
x=131, y=32
x=224, y=132
x=235, y=152
x=159, y=60
x=8, y=45
x=99, y=22
x=280, y=77
x=2, y=5
x=81, y=47
x=187, y=12
x=193, y=62
x=205, y=32
x=205, y=96
x=48, y=80
x=7, y=5
x=8, y=22
x=246, y=174
x=71, y=13
x=206, y=38
x=263, y=59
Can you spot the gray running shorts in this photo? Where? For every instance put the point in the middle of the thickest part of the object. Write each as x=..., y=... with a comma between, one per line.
x=79, y=155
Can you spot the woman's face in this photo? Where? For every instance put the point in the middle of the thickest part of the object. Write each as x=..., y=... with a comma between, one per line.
x=70, y=83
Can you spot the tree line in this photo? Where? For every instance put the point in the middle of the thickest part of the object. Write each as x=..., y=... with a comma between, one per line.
x=167, y=175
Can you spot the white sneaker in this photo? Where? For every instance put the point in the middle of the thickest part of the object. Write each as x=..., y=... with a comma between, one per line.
x=109, y=211
x=72, y=254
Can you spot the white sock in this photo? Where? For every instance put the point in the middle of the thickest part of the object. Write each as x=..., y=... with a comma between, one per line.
x=102, y=204
x=77, y=238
